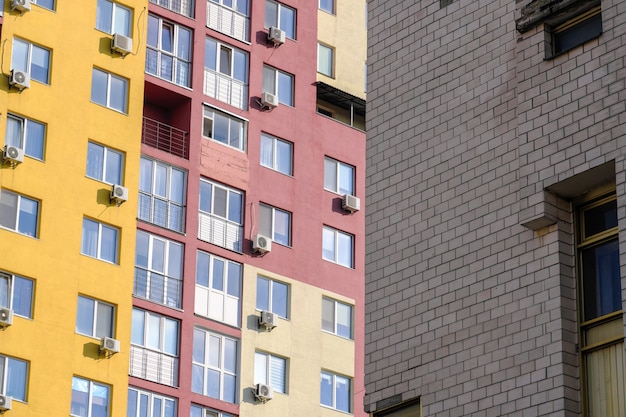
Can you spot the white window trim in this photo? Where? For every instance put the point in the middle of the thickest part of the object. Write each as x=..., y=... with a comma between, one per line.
x=229, y=115
x=336, y=234
x=99, y=245
x=29, y=62
x=151, y=397
x=219, y=369
x=94, y=324
x=332, y=59
x=275, y=141
x=4, y=381
x=114, y=7
x=17, y=213
x=24, y=123
x=273, y=224
x=280, y=7
x=338, y=165
x=275, y=92
x=269, y=295
x=11, y=283
x=228, y=190
x=110, y=76
x=335, y=332
x=334, y=391
x=269, y=358
x=107, y=150
x=222, y=293
x=146, y=329
x=174, y=54
x=90, y=395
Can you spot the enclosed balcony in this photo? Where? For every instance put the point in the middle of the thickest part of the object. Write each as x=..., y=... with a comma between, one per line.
x=340, y=106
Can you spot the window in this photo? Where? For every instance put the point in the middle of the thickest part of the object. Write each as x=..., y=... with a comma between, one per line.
x=158, y=270
x=275, y=223
x=576, y=31
x=109, y=90
x=46, y=4
x=100, y=241
x=169, y=51
x=280, y=16
x=149, y=404
x=162, y=194
x=218, y=288
x=325, y=60
x=338, y=177
x=197, y=411
x=33, y=59
x=270, y=370
x=16, y=293
x=14, y=377
x=327, y=6
x=94, y=318
x=601, y=327
x=225, y=73
x=272, y=296
x=19, y=213
x=278, y=83
x=337, y=318
x=184, y=7
x=407, y=408
x=230, y=17
x=241, y=6
x=337, y=246
x=26, y=134
x=214, y=368
x=104, y=164
x=224, y=128
x=113, y=18
x=276, y=154
x=335, y=391
x=221, y=215
x=155, y=332
x=89, y=398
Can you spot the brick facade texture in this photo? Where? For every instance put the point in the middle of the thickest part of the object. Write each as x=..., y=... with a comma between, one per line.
x=477, y=145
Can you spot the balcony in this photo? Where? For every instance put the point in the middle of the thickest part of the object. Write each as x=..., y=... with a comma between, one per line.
x=227, y=21
x=340, y=106
x=153, y=366
x=220, y=232
x=225, y=89
x=165, y=138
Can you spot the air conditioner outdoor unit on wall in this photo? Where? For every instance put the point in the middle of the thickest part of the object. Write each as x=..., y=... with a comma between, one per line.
x=119, y=194
x=264, y=392
x=122, y=44
x=276, y=36
x=109, y=346
x=269, y=100
x=6, y=317
x=351, y=203
x=268, y=320
x=19, y=79
x=13, y=154
x=20, y=5
x=262, y=244
x=6, y=403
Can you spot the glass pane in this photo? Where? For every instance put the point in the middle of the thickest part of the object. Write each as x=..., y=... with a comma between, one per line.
x=90, y=238
x=145, y=176
x=265, y=220
x=214, y=351
x=99, y=87
x=325, y=60
x=8, y=209
x=234, y=207
x=234, y=279
x=80, y=397
x=167, y=38
x=23, y=290
x=236, y=134
x=326, y=389
x=184, y=44
x=118, y=94
x=600, y=218
x=19, y=58
x=326, y=5
x=157, y=407
x=141, y=283
x=177, y=186
x=328, y=315
x=285, y=88
x=229, y=388
x=137, y=333
x=108, y=248
x=122, y=20
x=218, y=275
x=219, y=202
x=160, y=181
x=197, y=379
x=171, y=337
x=28, y=217
x=141, y=255
x=288, y=21
x=206, y=193
x=202, y=269
x=35, y=134
x=153, y=31
x=95, y=160
x=241, y=66
x=114, y=167
x=104, y=325
x=175, y=260
x=344, y=249
x=104, y=15
x=131, y=410
x=269, y=79
x=157, y=288
x=282, y=227
x=225, y=60
x=220, y=128
x=344, y=320
x=198, y=346
x=167, y=67
x=213, y=383
x=154, y=332
x=158, y=255
x=346, y=179
x=39, y=64
x=230, y=355
x=14, y=130
x=260, y=368
x=271, y=14
x=330, y=174
x=16, y=379
x=210, y=54
x=283, y=157
x=278, y=369
x=262, y=294
x=267, y=151
x=601, y=280
x=280, y=298
x=328, y=244
x=5, y=291
x=342, y=394
x=99, y=400
x=85, y=316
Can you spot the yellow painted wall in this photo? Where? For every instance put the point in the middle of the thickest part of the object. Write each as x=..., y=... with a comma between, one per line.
x=49, y=341
x=300, y=340
x=346, y=31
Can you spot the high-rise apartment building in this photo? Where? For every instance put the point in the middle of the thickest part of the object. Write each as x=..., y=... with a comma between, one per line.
x=182, y=208
x=496, y=222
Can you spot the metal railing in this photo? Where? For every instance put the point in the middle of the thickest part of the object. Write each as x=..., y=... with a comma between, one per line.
x=165, y=138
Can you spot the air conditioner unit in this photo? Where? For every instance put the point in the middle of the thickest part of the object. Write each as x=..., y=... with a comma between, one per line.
x=264, y=392
x=6, y=403
x=19, y=79
x=122, y=44
x=268, y=320
x=109, y=346
x=262, y=244
x=269, y=100
x=351, y=203
x=13, y=154
x=6, y=317
x=20, y=5
x=276, y=36
x=119, y=194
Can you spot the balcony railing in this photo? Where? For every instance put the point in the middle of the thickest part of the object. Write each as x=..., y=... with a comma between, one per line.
x=225, y=89
x=227, y=21
x=165, y=138
x=220, y=232
x=153, y=366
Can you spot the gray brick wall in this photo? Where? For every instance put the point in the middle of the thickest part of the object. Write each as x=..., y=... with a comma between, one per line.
x=472, y=133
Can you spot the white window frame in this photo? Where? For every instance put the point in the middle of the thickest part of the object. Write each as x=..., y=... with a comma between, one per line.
x=181, y=68
x=339, y=166
x=219, y=46
x=335, y=313
x=7, y=362
x=170, y=274
x=111, y=21
x=148, y=213
x=280, y=23
x=95, y=318
x=334, y=377
x=218, y=304
x=92, y=387
x=274, y=142
x=99, y=246
x=337, y=234
x=29, y=60
x=271, y=72
x=147, y=331
x=271, y=370
x=204, y=365
x=25, y=139
x=49, y=4
x=18, y=213
x=27, y=286
x=103, y=175
x=271, y=227
x=228, y=191
x=209, y=116
x=331, y=51
x=269, y=304
x=326, y=9
x=201, y=411
x=185, y=7
x=157, y=404
x=235, y=6
x=108, y=92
